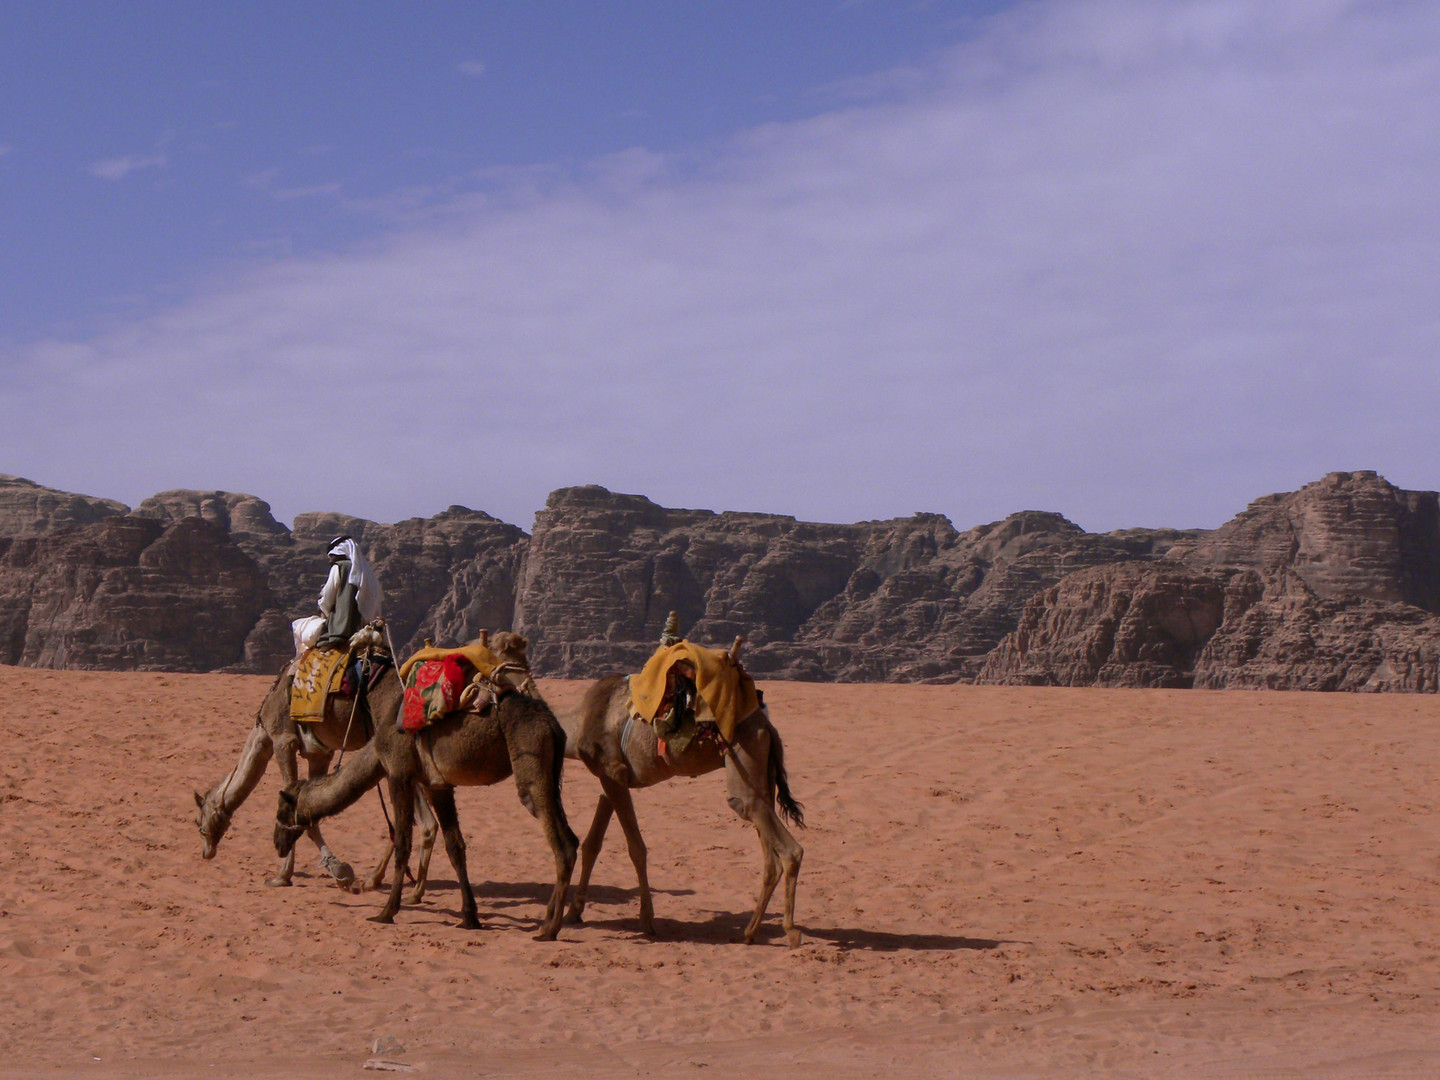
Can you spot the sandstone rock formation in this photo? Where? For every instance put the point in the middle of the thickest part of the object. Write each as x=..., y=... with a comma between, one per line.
x=209, y=580
x=1352, y=534
x=128, y=593
x=1121, y=625
x=1334, y=586
x=909, y=599
x=27, y=509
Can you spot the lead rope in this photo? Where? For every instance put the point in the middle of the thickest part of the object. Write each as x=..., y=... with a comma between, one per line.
x=354, y=708
x=390, y=825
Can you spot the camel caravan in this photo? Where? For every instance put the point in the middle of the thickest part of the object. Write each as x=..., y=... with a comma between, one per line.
x=473, y=715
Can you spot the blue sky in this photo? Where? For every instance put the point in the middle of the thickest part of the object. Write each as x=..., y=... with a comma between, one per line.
x=152, y=145
x=1134, y=262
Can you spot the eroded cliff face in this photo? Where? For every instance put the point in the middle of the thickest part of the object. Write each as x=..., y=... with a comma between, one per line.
x=1334, y=586
x=1130, y=625
x=907, y=599
x=128, y=593
x=209, y=580
x=27, y=509
x=1350, y=535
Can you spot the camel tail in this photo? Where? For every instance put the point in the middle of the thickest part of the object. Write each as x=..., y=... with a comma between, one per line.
x=790, y=809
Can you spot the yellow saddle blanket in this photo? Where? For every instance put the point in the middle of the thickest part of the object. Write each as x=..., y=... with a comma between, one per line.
x=723, y=685
x=476, y=655
x=317, y=675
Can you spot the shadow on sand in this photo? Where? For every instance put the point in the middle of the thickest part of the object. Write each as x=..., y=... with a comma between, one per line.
x=727, y=927
x=722, y=928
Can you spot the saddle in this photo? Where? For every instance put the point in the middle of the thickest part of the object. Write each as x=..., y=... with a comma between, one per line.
x=726, y=690
x=442, y=681
x=318, y=676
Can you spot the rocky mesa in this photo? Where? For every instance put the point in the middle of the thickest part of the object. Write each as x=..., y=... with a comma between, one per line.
x=1334, y=586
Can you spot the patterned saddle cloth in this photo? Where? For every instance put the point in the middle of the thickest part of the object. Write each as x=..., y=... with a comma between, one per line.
x=318, y=675
x=435, y=679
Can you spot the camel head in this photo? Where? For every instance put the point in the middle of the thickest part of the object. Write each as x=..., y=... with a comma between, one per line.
x=212, y=821
x=515, y=669
x=287, y=831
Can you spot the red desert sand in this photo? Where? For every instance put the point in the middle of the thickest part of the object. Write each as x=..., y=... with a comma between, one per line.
x=997, y=883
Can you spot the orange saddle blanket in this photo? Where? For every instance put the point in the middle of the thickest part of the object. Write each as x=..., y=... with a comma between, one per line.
x=724, y=685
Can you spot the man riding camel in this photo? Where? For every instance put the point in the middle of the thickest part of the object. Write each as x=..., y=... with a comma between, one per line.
x=350, y=599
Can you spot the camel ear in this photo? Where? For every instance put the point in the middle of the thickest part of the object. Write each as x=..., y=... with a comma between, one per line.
x=199, y=800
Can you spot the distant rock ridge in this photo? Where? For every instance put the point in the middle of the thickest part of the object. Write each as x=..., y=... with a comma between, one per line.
x=1334, y=586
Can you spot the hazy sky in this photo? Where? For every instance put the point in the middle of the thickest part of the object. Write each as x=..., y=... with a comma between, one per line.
x=1134, y=262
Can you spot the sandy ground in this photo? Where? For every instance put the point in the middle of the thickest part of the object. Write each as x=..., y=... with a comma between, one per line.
x=997, y=883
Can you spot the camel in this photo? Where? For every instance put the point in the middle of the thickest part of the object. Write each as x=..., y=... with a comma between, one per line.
x=275, y=734
x=624, y=754
x=515, y=734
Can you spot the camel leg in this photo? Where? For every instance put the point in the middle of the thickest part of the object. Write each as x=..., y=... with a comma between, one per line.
x=443, y=800
x=429, y=830
x=377, y=876
x=287, y=747
x=562, y=843
x=402, y=797
x=341, y=872
x=589, y=851
x=625, y=811
x=750, y=796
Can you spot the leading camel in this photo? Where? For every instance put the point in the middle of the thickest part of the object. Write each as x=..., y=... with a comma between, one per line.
x=274, y=734
x=624, y=754
x=516, y=734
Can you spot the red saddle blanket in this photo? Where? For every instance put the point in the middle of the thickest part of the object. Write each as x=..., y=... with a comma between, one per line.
x=432, y=689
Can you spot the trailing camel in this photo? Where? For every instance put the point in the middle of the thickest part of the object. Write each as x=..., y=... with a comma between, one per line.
x=625, y=753
x=515, y=734
x=275, y=734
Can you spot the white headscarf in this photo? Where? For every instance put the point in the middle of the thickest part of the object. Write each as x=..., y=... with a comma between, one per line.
x=367, y=585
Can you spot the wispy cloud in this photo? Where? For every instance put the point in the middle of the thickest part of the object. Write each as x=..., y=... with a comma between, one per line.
x=265, y=180
x=473, y=68
x=1136, y=263
x=117, y=168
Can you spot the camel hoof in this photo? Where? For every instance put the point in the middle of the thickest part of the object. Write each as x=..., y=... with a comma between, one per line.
x=470, y=923
x=415, y=898
x=548, y=935
x=342, y=872
x=574, y=918
x=278, y=883
x=383, y=917
x=793, y=937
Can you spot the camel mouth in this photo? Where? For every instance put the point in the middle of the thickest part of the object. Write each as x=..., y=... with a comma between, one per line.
x=207, y=852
